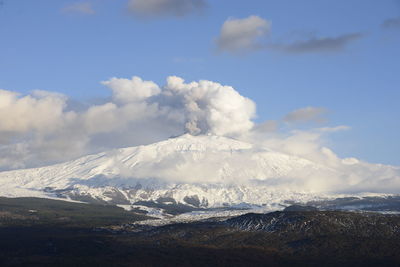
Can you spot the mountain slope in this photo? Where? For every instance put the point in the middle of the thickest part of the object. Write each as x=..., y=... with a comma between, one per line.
x=199, y=171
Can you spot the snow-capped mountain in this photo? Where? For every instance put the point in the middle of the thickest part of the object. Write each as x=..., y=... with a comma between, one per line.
x=200, y=171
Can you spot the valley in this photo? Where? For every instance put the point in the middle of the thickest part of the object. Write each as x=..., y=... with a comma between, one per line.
x=41, y=232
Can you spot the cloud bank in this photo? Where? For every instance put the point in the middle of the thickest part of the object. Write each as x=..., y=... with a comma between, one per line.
x=165, y=8
x=35, y=128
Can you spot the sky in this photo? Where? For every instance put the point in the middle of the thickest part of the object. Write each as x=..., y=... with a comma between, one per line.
x=295, y=66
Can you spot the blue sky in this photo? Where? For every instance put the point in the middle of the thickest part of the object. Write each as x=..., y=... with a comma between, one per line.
x=47, y=45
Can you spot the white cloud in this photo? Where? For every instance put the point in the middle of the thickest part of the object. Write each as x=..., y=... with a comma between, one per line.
x=84, y=8
x=243, y=35
x=159, y=8
x=135, y=89
x=21, y=114
x=210, y=107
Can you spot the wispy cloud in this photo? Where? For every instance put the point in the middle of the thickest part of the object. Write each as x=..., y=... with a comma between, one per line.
x=307, y=114
x=392, y=23
x=84, y=8
x=165, y=8
x=319, y=44
x=187, y=60
x=269, y=126
x=242, y=35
